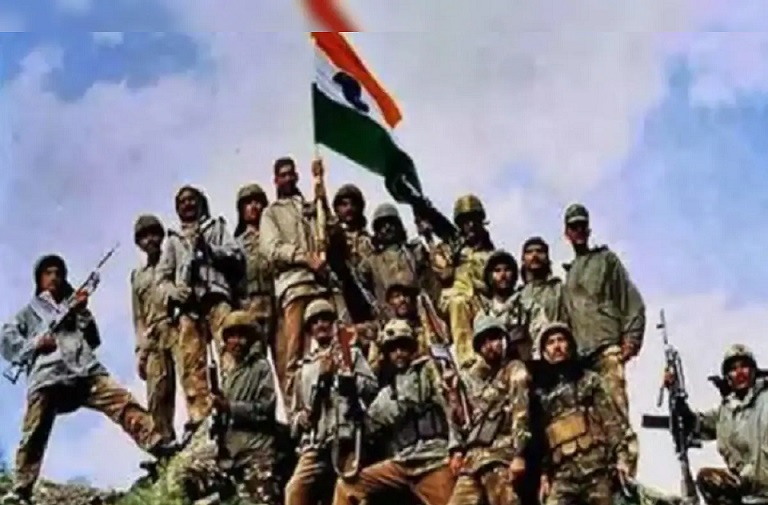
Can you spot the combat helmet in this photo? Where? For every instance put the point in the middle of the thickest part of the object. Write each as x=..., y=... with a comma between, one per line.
x=400, y=280
x=396, y=329
x=468, y=204
x=316, y=308
x=557, y=327
x=352, y=192
x=251, y=191
x=144, y=223
x=736, y=352
x=576, y=213
x=239, y=319
x=498, y=257
x=383, y=211
x=483, y=325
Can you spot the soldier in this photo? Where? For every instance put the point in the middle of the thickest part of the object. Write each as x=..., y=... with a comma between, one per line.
x=739, y=424
x=606, y=311
x=461, y=300
x=394, y=256
x=248, y=403
x=587, y=434
x=197, y=273
x=412, y=413
x=438, y=251
x=542, y=294
x=65, y=374
x=257, y=289
x=158, y=347
x=289, y=240
x=324, y=403
x=496, y=437
x=349, y=206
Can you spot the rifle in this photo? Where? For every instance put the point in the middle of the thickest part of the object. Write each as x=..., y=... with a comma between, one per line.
x=14, y=371
x=356, y=409
x=443, y=356
x=189, y=276
x=436, y=324
x=281, y=410
x=220, y=420
x=676, y=421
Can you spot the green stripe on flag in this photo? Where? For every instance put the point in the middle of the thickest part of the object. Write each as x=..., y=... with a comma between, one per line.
x=365, y=142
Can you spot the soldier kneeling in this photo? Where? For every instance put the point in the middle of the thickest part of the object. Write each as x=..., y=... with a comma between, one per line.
x=246, y=454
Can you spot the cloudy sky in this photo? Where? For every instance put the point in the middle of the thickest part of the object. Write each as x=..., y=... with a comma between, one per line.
x=652, y=113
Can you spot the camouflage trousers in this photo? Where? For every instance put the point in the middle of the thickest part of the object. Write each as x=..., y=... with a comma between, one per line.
x=719, y=486
x=461, y=310
x=594, y=489
x=610, y=367
x=262, y=309
x=250, y=475
x=101, y=393
x=492, y=486
x=431, y=488
x=313, y=480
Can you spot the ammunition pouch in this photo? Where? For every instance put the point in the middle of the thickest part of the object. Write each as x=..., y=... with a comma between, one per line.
x=424, y=424
x=569, y=434
x=484, y=433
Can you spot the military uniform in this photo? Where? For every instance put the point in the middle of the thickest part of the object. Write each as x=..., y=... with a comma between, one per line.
x=586, y=433
x=249, y=450
x=605, y=310
x=257, y=287
x=66, y=379
x=542, y=299
x=314, y=474
x=159, y=347
x=498, y=431
x=288, y=234
x=462, y=300
x=740, y=426
x=210, y=277
x=414, y=416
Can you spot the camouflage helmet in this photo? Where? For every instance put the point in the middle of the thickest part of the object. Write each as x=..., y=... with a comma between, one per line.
x=396, y=329
x=468, y=204
x=239, y=319
x=352, y=192
x=144, y=223
x=318, y=307
x=576, y=213
x=556, y=327
x=736, y=352
x=251, y=191
x=498, y=257
x=483, y=325
x=383, y=211
x=402, y=280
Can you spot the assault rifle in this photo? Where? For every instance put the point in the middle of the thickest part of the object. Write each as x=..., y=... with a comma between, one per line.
x=28, y=354
x=443, y=356
x=219, y=420
x=356, y=408
x=677, y=421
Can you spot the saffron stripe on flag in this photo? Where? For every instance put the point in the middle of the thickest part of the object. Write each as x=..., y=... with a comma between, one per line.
x=327, y=14
x=338, y=50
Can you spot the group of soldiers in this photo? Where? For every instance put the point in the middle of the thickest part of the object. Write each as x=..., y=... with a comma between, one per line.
x=359, y=365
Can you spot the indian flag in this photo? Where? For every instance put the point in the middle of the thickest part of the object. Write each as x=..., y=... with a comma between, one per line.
x=355, y=116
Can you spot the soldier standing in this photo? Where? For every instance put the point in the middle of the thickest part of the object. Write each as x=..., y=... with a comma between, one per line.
x=349, y=206
x=542, y=294
x=606, y=311
x=496, y=437
x=414, y=416
x=740, y=426
x=587, y=434
x=323, y=403
x=257, y=289
x=248, y=399
x=158, y=347
x=64, y=374
x=461, y=301
x=289, y=240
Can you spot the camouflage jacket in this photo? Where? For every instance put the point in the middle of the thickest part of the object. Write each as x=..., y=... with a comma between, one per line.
x=499, y=428
x=465, y=276
x=287, y=236
x=584, y=429
x=359, y=245
x=334, y=408
x=603, y=303
x=214, y=275
x=740, y=427
x=544, y=303
x=413, y=414
x=250, y=389
x=74, y=357
x=509, y=310
x=259, y=279
x=150, y=312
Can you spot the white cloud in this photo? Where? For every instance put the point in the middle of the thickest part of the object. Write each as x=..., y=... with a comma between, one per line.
x=109, y=38
x=561, y=92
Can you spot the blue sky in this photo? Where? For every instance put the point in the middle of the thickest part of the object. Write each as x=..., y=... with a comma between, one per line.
x=95, y=129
